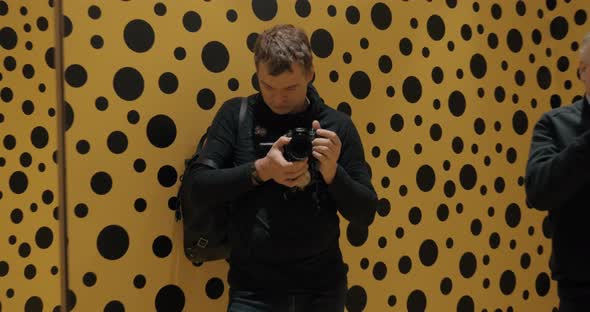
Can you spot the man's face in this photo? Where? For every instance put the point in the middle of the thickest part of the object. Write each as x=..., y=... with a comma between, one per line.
x=286, y=92
x=584, y=70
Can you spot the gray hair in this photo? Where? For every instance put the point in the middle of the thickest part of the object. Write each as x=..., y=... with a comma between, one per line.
x=584, y=48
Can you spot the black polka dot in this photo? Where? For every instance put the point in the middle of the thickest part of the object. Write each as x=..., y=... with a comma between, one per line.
x=478, y=66
x=96, y=42
x=168, y=83
x=513, y=215
x=514, y=39
x=436, y=27
x=466, y=32
x=356, y=299
x=393, y=158
x=466, y=304
x=381, y=16
x=357, y=234
x=114, y=306
x=379, y=271
x=4, y=268
x=128, y=83
x=360, y=85
x=559, y=28
x=18, y=182
x=425, y=178
x=44, y=237
x=139, y=281
x=457, y=103
x=544, y=77
x=139, y=165
x=8, y=38
x=231, y=15
x=416, y=301
x=580, y=17
x=412, y=89
x=542, y=284
x=215, y=56
x=117, y=142
x=179, y=53
x=112, y=242
x=405, y=264
x=265, y=10
x=89, y=279
x=101, y=183
x=170, y=298
x=206, y=99
x=214, y=288
x=322, y=43
x=161, y=131
x=34, y=304
x=81, y=210
x=162, y=246
x=353, y=15
x=303, y=8
x=160, y=9
x=520, y=122
x=507, y=282
x=345, y=108
x=405, y=46
x=76, y=75
x=428, y=252
x=467, y=264
x=435, y=132
x=191, y=21
x=468, y=177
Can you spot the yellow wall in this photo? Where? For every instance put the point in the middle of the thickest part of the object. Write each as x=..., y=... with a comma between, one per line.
x=453, y=232
x=29, y=231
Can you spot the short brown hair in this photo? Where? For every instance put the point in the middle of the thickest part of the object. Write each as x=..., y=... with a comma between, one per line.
x=281, y=46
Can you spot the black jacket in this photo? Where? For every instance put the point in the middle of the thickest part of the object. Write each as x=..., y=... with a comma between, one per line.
x=558, y=180
x=282, y=239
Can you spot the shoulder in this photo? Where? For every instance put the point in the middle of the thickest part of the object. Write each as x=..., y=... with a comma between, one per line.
x=336, y=119
x=565, y=111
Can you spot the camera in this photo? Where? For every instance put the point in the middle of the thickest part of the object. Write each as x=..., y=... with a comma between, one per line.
x=300, y=146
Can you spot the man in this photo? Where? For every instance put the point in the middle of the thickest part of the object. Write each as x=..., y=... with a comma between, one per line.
x=558, y=180
x=284, y=224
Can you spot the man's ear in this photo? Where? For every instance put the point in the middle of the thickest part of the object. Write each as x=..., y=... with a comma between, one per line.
x=581, y=70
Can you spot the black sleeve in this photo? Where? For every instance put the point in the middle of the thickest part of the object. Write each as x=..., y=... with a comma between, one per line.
x=553, y=175
x=351, y=188
x=213, y=186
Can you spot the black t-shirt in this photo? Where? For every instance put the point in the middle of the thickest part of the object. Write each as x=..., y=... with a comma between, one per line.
x=284, y=240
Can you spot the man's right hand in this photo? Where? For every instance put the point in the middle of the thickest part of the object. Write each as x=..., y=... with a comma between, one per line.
x=275, y=166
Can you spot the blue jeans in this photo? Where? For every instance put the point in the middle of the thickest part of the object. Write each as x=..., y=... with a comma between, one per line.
x=251, y=301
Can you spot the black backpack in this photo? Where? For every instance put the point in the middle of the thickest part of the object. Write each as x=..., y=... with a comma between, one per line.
x=205, y=227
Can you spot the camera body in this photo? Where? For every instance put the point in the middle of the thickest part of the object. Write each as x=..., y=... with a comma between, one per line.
x=300, y=146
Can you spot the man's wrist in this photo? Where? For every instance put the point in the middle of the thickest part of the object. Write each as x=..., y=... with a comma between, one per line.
x=255, y=176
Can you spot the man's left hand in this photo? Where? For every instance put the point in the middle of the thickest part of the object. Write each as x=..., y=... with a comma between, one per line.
x=326, y=149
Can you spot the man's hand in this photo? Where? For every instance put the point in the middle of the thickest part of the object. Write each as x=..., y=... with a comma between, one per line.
x=326, y=149
x=274, y=166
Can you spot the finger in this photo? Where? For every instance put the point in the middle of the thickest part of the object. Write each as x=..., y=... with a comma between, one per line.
x=321, y=141
x=316, y=125
x=282, y=141
x=326, y=151
x=331, y=135
x=320, y=157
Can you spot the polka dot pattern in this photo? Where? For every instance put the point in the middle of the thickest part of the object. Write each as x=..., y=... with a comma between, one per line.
x=30, y=270
x=445, y=108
